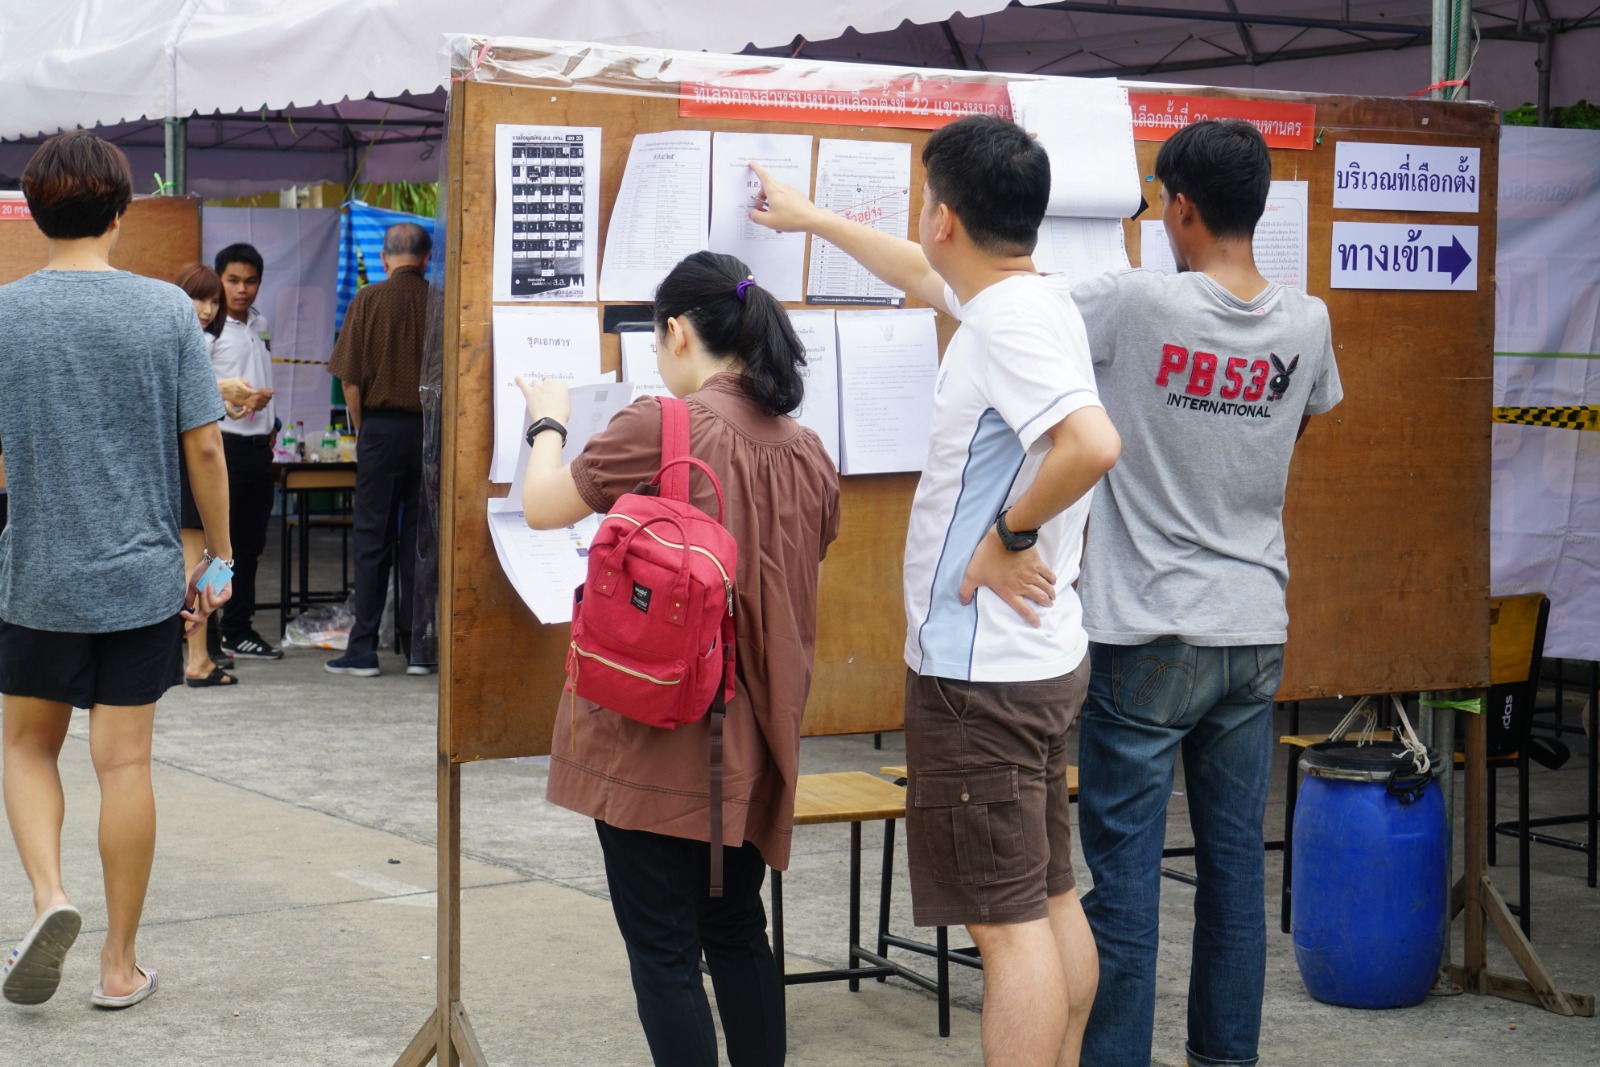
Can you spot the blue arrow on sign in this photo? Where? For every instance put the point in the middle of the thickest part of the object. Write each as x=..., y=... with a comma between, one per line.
x=1454, y=258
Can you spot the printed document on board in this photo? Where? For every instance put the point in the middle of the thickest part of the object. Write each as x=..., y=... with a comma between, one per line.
x=778, y=260
x=544, y=342
x=661, y=212
x=543, y=566
x=867, y=182
x=546, y=212
x=1080, y=248
x=1087, y=129
x=639, y=366
x=887, y=364
x=820, y=409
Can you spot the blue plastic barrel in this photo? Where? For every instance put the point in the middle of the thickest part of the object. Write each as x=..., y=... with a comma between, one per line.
x=1370, y=890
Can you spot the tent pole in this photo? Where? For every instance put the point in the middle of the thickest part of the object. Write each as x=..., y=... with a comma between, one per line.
x=1461, y=60
x=1440, y=47
x=177, y=156
x=1546, y=58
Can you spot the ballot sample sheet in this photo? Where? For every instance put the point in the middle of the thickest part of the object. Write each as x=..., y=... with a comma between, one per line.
x=639, y=366
x=543, y=566
x=1280, y=237
x=1154, y=251
x=1080, y=248
x=1087, y=129
x=544, y=342
x=868, y=182
x=661, y=212
x=546, y=212
x=887, y=364
x=820, y=409
x=778, y=260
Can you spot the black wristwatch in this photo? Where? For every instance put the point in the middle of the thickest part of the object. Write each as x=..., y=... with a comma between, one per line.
x=1015, y=540
x=546, y=424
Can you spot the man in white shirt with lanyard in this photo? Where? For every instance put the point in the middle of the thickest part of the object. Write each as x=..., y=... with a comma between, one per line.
x=245, y=351
x=995, y=645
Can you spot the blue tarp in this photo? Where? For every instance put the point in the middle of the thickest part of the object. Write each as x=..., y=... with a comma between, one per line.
x=363, y=227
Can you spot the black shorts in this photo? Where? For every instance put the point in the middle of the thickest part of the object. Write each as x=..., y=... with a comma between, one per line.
x=125, y=668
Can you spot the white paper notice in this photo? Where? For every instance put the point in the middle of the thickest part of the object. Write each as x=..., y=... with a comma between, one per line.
x=1087, y=129
x=1405, y=177
x=544, y=566
x=639, y=364
x=778, y=260
x=661, y=212
x=868, y=182
x=1154, y=251
x=887, y=364
x=1080, y=248
x=546, y=212
x=820, y=409
x=1280, y=237
x=1384, y=255
x=546, y=342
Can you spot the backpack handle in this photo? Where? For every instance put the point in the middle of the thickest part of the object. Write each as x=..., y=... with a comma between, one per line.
x=619, y=552
x=664, y=480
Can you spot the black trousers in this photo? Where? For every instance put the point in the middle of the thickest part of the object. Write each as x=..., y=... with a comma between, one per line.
x=388, y=480
x=249, y=511
x=660, y=892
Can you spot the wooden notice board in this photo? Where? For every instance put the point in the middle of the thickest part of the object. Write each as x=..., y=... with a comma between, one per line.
x=1388, y=502
x=160, y=236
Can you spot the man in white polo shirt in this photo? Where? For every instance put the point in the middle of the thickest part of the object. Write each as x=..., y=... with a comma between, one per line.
x=244, y=351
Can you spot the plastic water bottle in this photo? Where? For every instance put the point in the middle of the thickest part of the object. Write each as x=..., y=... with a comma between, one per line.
x=300, y=434
x=289, y=447
x=330, y=445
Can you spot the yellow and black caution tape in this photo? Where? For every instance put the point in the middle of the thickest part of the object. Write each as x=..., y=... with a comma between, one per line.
x=306, y=362
x=1575, y=417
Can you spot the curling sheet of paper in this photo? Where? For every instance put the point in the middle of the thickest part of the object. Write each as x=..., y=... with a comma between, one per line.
x=661, y=212
x=1087, y=129
x=544, y=342
x=543, y=566
x=1154, y=251
x=778, y=260
x=639, y=364
x=820, y=409
x=887, y=364
x=868, y=182
x=1080, y=248
x=546, y=212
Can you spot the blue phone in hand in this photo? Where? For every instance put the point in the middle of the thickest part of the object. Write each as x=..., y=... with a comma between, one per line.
x=216, y=578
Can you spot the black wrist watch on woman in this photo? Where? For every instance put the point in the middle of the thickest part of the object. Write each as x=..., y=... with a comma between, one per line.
x=546, y=424
x=1015, y=540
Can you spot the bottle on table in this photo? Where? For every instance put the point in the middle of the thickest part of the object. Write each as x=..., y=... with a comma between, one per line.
x=289, y=446
x=330, y=445
x=300, y=435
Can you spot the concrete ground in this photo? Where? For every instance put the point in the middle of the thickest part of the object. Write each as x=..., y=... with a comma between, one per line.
x=291, y=910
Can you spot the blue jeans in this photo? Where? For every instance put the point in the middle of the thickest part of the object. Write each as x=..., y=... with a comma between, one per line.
x=1145, y=703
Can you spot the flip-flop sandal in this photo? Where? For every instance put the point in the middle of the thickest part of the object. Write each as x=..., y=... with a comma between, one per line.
x=33, y=970
x=99, y=999
x=217, y=677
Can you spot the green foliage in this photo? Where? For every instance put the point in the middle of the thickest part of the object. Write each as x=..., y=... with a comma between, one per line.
x=418, y=198
x=1580, y=116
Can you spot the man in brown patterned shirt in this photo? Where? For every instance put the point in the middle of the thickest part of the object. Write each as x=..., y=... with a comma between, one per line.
x=378, y=357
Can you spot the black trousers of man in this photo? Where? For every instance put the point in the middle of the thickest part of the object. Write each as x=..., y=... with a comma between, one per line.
x=250, y=494
x=388, y=484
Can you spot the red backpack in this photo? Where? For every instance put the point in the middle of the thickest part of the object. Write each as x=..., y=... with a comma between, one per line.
x=652, y=624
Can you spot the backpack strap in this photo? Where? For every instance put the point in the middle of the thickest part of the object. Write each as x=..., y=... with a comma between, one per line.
x=718, y=706
x=674, y=445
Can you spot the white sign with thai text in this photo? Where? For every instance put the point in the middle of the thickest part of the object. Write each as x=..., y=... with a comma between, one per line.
x=1405, y=177
x=1384, y=255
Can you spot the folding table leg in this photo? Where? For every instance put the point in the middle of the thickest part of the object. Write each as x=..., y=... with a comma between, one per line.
x=885, y=883
x=855, y=900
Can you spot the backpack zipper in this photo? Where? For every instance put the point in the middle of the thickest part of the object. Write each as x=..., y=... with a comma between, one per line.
x=619, y=667
x=727, y=583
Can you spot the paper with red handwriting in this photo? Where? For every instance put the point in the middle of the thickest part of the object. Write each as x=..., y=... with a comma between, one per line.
x=870, y=182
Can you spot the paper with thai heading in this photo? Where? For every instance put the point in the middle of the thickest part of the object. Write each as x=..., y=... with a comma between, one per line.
x=1154, y=251
x=1405, y=177
x=1080, y=248
x=544, y=342
x=1280, y=237
x=887, y=364
x=639, y=364
x=661, y=212
x=543, y=566
x=594, y=402
x=868, y=182
x=1086, y=128
x=777, y=260
x=820, y=409
x=546, y=212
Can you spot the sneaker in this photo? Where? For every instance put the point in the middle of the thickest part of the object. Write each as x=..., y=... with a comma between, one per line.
x=360, y=665
x=250, y=646
x=421, y=668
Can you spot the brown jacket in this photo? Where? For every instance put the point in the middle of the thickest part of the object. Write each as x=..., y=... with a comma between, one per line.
x=783, y=509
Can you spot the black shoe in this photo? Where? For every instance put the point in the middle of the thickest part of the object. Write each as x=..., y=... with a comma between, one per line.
x=250, y=646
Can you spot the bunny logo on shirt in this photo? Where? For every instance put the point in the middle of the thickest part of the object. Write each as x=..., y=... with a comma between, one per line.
x=1236, y=385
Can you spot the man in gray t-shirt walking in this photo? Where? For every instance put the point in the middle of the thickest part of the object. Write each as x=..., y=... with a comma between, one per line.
x=1209, y=375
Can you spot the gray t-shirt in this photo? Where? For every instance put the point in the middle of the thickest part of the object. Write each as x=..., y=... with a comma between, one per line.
x=1207, y=391
x=100, y=371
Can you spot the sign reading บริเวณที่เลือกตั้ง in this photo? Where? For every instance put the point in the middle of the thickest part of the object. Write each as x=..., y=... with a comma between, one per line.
x=1385, y=255
x=1405, y=177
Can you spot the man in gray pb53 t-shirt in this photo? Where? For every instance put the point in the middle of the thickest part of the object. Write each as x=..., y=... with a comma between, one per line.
x=1209, y=375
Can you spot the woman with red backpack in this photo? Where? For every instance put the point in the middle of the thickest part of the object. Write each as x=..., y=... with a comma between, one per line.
x=726, y=346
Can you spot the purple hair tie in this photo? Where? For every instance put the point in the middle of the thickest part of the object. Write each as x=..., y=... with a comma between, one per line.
x=740, y=289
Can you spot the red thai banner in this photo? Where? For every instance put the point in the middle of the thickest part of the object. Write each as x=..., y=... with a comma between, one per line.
x=905, y=103
x=14, y=209
x=1157, y=117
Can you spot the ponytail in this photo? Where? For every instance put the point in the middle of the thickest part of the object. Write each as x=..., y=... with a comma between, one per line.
x=736, y=318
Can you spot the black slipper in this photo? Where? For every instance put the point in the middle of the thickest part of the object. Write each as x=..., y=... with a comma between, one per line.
x=217, y=677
